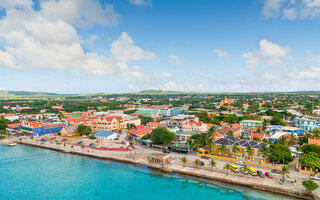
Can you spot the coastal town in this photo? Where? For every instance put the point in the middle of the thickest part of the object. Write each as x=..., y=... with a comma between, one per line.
x=265, y=141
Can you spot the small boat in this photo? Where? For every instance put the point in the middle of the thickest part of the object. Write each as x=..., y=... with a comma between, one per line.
x=11, y=144
x=66, y=151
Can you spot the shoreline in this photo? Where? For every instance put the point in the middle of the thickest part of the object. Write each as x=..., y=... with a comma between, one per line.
x=256, y=186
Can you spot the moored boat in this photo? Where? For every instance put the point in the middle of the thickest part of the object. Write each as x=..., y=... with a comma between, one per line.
x=11, y=144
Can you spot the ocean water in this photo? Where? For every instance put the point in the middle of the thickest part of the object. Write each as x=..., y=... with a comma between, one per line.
x=34, y=173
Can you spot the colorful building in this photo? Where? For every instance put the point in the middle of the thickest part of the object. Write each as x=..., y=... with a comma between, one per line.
x=139, y=131
x=69, y=131
x=194, y=126
x=106, y=135
x=304, y=123
x=39, y=128
x=251, y=123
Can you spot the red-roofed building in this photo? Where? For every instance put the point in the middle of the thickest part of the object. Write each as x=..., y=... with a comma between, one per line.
x=225, y=101
x=153, y=124
x=140, y=131
x=223, y=123
x=261, y=136
x=236, y=125
x=314, y=140
x=194, y=126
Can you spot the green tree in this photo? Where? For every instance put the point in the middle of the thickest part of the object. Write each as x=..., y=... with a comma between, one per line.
x=280, y=153
x=227, y=167
x=264, y=151
x=130, y=126
x=285, y=171
x=311, y=160
x=145, y=119
x=234, y=150
x=310, y=185
x=230, y=133
x=184, y=160
x=93, y=137
x=212, y=163
x=3, y=123
x=161, y=136
x=292, y=140
x=249, y=151
x=197, y=162
x=223, y=148
x=83, y=129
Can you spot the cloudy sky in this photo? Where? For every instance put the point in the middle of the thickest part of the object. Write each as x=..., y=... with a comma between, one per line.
x=89, y=46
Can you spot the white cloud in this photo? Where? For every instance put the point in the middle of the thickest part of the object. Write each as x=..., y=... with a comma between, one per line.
x=124, y=50
x=289, y=13
x=173, y=86
x=162, y=75
x=48, y=40
x=269, y=53
x=271, y=6
x=291, y=9
x=79, y=12
x=141, y=3
x=7, y=60
x=174, y=57
x=221, y=54
x=272, y=49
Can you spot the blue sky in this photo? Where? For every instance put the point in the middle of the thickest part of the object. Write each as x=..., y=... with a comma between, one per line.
x=115, y=46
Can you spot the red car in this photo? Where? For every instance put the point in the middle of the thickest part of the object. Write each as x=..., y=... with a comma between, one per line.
x=268, y=174
x=204, y=157
x=63, y=140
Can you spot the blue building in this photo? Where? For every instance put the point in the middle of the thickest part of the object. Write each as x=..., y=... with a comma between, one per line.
x=171, y=112
x=39, y=128
x=304, y=123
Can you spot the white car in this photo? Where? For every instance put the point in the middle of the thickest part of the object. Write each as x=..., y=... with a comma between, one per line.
x=315, y=177
x=300, y=152
x=240, y=163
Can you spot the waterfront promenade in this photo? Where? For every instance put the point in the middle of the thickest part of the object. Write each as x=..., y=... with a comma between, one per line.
x=140, y=156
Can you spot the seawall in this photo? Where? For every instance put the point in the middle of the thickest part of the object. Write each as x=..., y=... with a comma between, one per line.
x=267, y=188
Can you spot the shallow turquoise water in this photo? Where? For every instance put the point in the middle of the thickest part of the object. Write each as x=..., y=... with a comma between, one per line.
x=34, y=173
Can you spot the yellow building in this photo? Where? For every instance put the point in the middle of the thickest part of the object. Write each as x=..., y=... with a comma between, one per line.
x=242, y=154
x=69, y=131
x=112, y=123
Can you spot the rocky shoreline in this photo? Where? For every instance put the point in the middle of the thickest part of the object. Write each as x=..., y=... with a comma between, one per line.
x=184, y=171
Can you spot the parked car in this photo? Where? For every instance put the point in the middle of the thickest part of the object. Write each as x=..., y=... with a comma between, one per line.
x=63, y=140
x=315, y=177
x=268, y=174
x=300, y=152
x=260, y=173
x=53, y=138
x=91, y=144
x=275, y=171
x=52, y=142
x=243, y=171
x=81, y=142
x=294, y=155
x=202, y=163
x=240, y=163
x=204, y=157
x=43, y=140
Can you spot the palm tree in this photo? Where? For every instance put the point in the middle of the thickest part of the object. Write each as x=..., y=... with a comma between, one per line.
x=184, y=160
x=285, y=171
x=244, y=167
x=197, y=162
x=223, y=148
x=227, y=167
x=264, y=151
x=249, y=151
x=234, y=149
x=292, y=140
x=212, y=164
x=211, y=143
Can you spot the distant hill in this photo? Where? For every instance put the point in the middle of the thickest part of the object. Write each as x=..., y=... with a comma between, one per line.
x=160, y=92
x=25, y=93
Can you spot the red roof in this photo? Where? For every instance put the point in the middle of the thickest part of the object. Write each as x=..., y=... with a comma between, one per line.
x=211, y=125
x=77, y=120
x=110, y=118
x=196, y=123
x=235, y=125
x=14, y=125
x=33, y=124
x=140, y=130
x=153, y=124
x=258, y=135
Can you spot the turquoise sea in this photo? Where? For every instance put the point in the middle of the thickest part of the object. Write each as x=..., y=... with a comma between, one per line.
x=34, y=173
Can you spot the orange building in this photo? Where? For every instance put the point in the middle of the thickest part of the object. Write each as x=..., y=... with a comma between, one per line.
x=314, y=140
